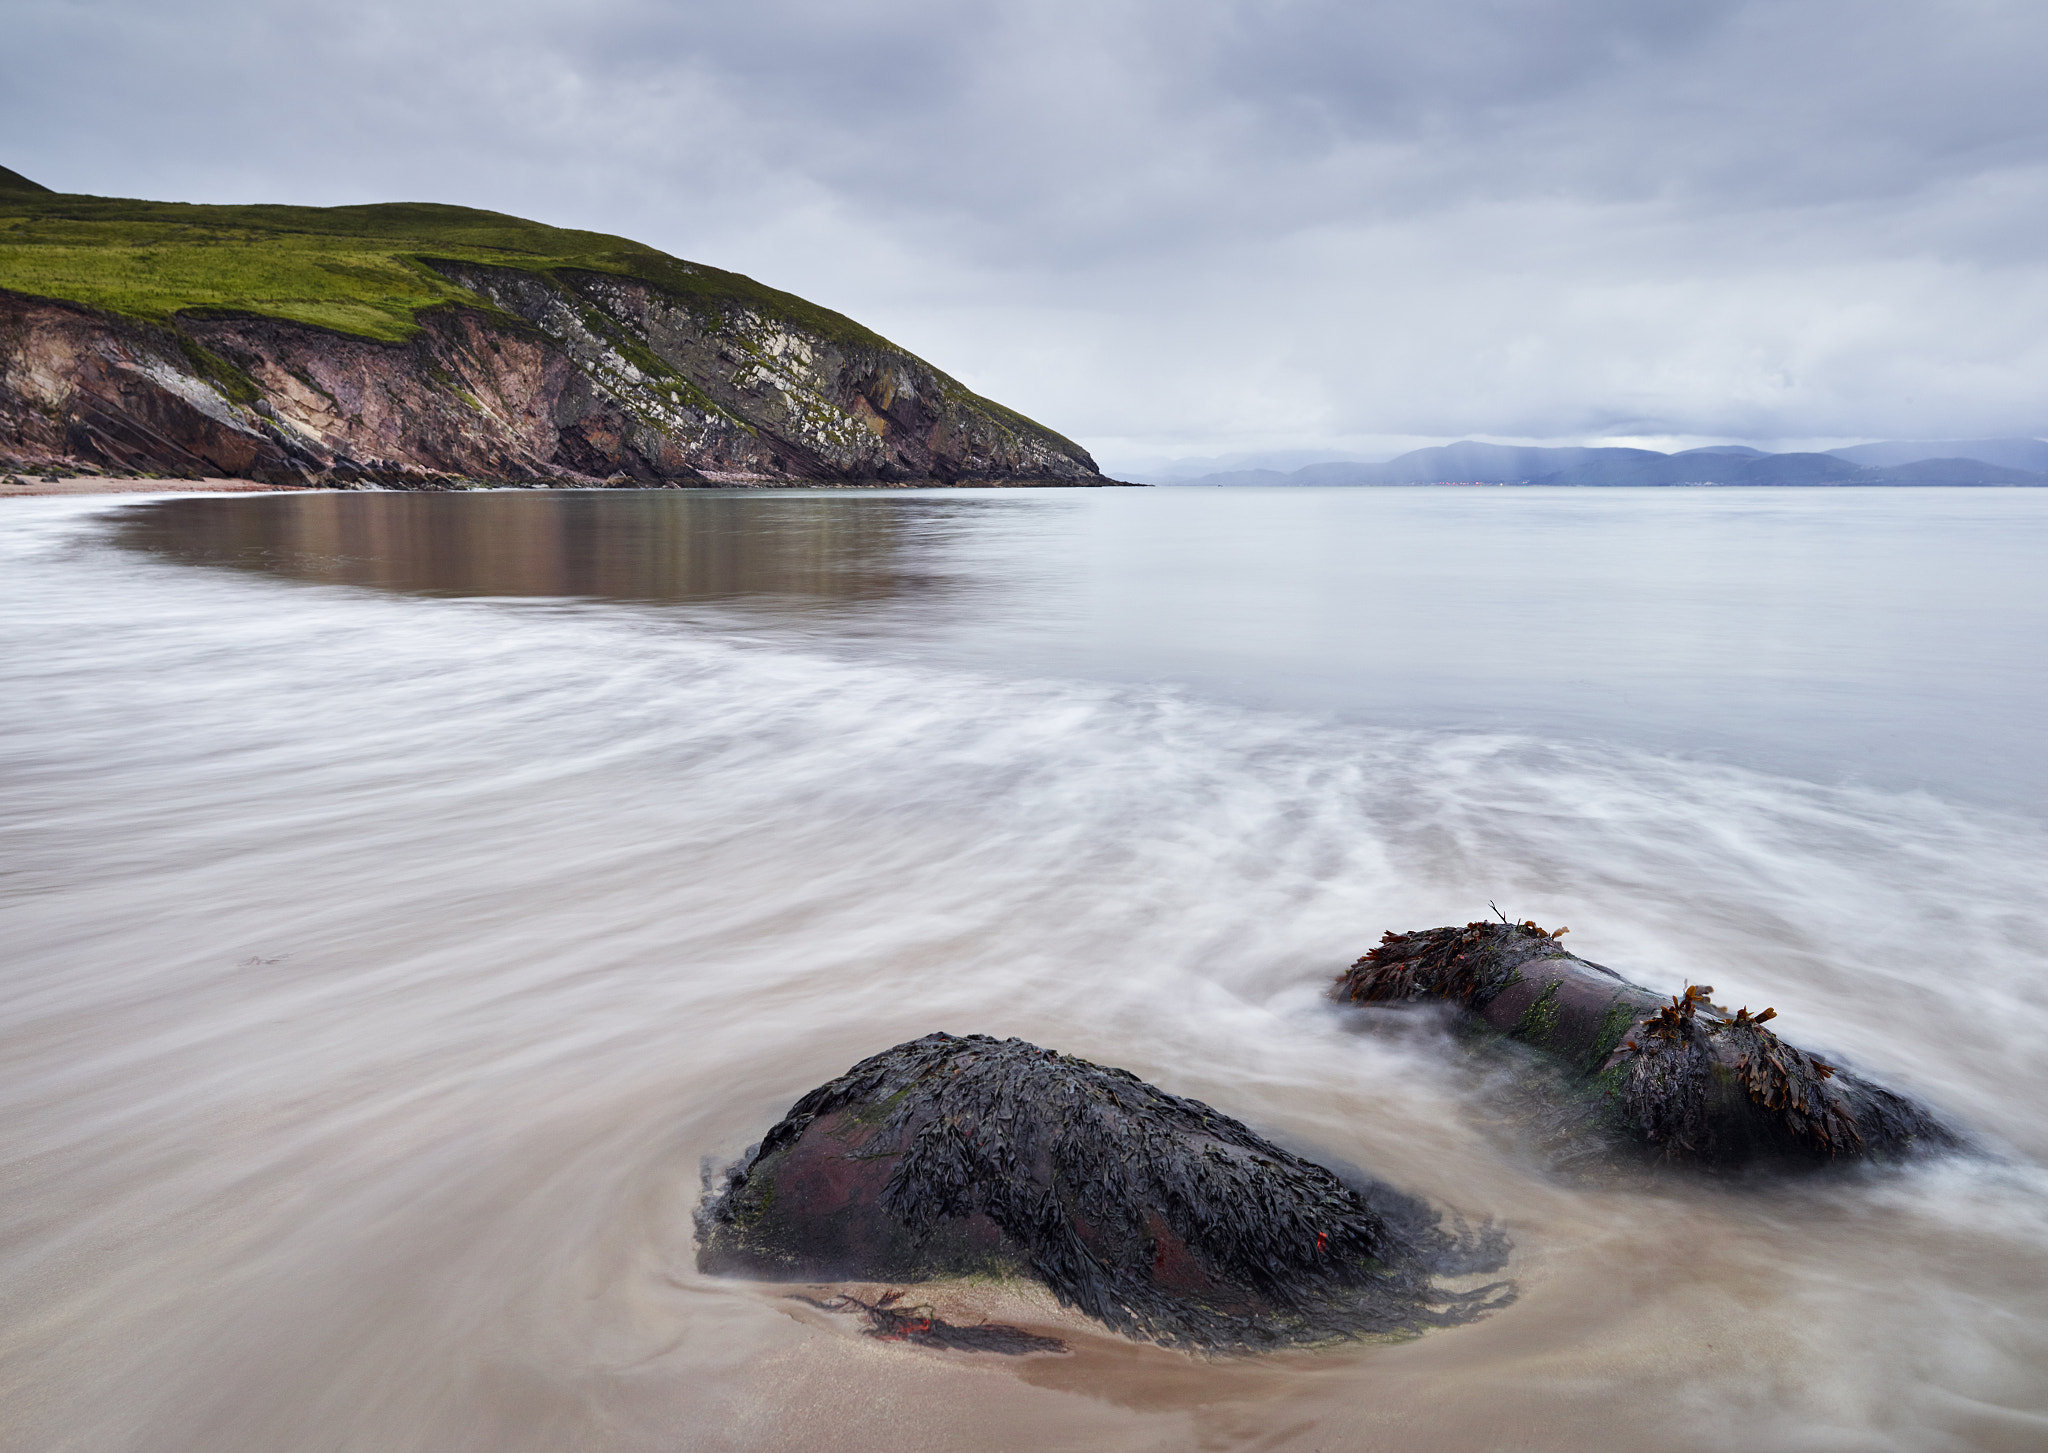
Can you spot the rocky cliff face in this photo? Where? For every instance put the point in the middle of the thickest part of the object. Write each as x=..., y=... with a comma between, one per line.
x=560, y=377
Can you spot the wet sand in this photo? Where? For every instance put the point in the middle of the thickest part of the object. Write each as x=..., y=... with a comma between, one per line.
x=25, y=485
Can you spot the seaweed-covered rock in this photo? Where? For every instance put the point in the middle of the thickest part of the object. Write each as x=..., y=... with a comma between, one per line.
x=1153, y=1214
x=1691, y=1081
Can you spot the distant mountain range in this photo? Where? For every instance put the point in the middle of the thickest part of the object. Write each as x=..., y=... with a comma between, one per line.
x=1938, y=462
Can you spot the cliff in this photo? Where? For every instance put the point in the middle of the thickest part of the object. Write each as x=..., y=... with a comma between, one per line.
x=427, y=346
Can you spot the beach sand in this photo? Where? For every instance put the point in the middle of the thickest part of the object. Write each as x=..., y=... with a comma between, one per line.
x=29, y=484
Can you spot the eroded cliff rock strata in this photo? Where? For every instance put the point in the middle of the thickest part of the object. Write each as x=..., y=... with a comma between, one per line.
x=525, y=373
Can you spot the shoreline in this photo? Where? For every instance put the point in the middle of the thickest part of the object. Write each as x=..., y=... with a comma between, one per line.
x=29, y=486
x=26, y=486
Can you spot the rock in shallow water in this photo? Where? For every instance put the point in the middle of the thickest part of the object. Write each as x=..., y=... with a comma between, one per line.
x=1690, y=1081
x=1153, y=1214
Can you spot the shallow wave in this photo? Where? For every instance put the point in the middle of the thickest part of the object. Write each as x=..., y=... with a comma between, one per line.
x=384, y=969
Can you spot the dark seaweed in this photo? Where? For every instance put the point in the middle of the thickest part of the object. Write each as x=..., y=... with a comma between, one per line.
x=888, y=1322
x=1676, y=1077
x=1466, y=966
x=1154, y=1214
x=1688, y=1081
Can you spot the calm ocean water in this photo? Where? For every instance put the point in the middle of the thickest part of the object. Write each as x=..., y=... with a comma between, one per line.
x=405, y=895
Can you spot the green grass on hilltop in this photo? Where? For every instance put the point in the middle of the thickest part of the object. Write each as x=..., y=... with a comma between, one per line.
x=358, y=270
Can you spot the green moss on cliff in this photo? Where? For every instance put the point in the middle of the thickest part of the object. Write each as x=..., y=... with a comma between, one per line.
x=355, y=270
x=223, y=375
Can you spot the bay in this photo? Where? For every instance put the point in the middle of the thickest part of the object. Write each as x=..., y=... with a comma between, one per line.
x=408, y=895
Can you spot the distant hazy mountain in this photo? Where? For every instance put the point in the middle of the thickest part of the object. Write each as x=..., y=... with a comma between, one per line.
x=1482, y=463
x=1726, y=464
x=1275, y=462
x=1698, y=466
x=1464, y=463
x=1952, y=471
x=1245, y=476
x=2030, y=454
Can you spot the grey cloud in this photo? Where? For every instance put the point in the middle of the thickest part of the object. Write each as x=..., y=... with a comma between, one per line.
x=1197, y=225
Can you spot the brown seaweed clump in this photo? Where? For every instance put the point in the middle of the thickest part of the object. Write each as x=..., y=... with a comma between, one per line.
x=1153, y=1214
x=890, y=1319
x=1690, y=1081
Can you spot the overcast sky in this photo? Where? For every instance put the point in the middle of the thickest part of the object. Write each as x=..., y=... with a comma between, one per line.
x=1195, y=227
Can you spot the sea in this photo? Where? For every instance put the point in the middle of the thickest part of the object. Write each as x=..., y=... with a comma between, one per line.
x=409, y=900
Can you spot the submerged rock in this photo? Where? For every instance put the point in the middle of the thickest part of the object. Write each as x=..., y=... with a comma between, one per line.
x=1689, y=1080
x=1153, y=1214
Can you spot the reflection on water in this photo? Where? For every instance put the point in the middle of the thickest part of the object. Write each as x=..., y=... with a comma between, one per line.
x=383, y=965
x=657, y=545
x=1888, y=636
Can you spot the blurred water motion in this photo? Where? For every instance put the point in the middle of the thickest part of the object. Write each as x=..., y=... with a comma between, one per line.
x=1888, y=636
x=383, y=965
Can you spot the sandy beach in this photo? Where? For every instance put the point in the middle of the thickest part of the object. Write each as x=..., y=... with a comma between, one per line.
x=28, y=484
